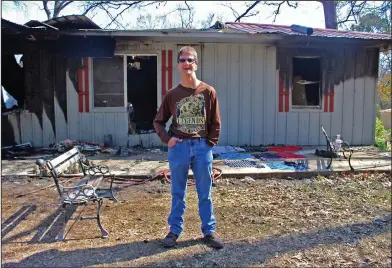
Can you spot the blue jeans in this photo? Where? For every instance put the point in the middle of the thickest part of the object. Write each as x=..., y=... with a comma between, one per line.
x=197, y=154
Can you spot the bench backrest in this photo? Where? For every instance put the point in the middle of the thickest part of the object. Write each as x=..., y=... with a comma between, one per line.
x=63, y=162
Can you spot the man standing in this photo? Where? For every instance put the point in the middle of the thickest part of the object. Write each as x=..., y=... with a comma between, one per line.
x=195, y=129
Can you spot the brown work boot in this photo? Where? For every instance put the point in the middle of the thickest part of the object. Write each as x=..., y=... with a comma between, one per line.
x=170, y=240
x=213, y=241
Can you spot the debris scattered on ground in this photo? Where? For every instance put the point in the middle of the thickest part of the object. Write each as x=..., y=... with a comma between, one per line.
x=248, y=179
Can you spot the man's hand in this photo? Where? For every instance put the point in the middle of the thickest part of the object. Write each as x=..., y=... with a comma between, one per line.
x=173, y=142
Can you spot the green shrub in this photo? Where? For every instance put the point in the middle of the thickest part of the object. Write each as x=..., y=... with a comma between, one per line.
x=382, y=135
x=378, y=109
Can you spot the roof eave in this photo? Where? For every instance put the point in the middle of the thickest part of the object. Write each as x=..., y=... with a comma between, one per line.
x=202, y=35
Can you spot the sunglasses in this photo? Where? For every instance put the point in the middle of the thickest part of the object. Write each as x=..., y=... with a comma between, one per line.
x=189, y=60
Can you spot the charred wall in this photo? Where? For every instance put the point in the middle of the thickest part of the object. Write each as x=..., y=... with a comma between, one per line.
x=45, y=79
x=338, y=63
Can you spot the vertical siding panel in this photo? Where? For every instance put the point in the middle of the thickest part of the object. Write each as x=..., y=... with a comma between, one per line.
x=222, y=91
x=86, y=126
x=337, y=114
x=359, y=95
x=98, y=127
x=245, y=89
x=27, y=126
x=303, y=128
x=369, y=110
x=348, y=99
x=234, y=95
x=13, y=119
x=61, y=124
x=292, y=128
x=37, y=131
x=314, y=129
x=257, y=94
x=48, y=136
x=281, y=121
x=122, y=129
x=110, y=126
x=145, y=140
x=155, y=140
x=72, y=110
x=208, y=64
x=358, y=110
x=133, y=140
x=270, y=105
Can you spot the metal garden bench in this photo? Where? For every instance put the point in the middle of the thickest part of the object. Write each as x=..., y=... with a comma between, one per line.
x=333, y=151
x=86, y=191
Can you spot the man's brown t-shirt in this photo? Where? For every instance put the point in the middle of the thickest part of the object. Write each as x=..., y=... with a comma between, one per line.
x=195, y=114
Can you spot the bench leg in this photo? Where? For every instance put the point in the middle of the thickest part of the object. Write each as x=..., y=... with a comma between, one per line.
x=349, y=160
x=103, y=231
x=60, y=236
x=111, y=190
x=329, y=162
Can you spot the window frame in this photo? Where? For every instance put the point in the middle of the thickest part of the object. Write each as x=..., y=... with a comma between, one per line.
x=125, y=55
x=308, y=108
x=91, y=95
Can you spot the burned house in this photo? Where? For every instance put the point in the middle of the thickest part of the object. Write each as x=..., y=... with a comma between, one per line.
x=275, y=84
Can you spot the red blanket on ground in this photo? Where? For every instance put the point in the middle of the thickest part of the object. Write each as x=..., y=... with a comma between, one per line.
x=289, y=148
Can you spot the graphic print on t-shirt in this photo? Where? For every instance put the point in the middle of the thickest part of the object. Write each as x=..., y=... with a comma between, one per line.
x=190, y=114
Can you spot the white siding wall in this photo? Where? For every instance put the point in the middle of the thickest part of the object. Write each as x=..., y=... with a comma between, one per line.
x=246, y=80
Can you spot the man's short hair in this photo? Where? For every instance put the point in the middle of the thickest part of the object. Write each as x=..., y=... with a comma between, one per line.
x=188, y=49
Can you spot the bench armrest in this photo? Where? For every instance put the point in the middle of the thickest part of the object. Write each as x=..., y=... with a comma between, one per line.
x=78, y=193
x=98, y=169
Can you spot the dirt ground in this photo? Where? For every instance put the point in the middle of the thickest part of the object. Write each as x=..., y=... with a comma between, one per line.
x=342, y=220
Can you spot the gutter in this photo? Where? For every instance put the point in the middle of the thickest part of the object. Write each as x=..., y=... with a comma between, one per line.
x=195, y=34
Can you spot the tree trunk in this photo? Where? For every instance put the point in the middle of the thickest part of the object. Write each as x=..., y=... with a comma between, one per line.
x=330, y=14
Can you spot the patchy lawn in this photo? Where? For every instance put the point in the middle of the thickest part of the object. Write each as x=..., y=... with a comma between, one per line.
x=341, y=220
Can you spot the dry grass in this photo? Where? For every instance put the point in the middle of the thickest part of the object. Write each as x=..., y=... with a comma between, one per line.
x=337, y=221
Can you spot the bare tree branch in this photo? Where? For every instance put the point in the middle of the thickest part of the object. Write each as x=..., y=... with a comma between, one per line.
x=208, y=22
x=354, y=11
x=59, y=6
x=92, y=6
x=119, y=14
x=247, y=11
x=190, y=18
x=186, y=15
x=278, y=5
x=46, y=8
x=235, y=13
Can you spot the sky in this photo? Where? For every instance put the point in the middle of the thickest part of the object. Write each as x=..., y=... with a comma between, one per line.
x=308, y=13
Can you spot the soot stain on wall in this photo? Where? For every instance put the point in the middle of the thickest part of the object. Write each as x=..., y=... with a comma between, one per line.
x=73, y=64
x=60, y=84
x=339, y=64
x=47, y=86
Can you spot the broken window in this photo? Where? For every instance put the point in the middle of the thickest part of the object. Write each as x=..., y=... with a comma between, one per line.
x=142, y=92
x=108, y=82
x=306, y=82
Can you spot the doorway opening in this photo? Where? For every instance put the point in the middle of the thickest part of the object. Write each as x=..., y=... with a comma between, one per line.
x=142, y=91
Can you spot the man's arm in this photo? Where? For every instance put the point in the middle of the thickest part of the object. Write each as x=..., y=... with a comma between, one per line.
x=215, y=121
x=161, y=119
